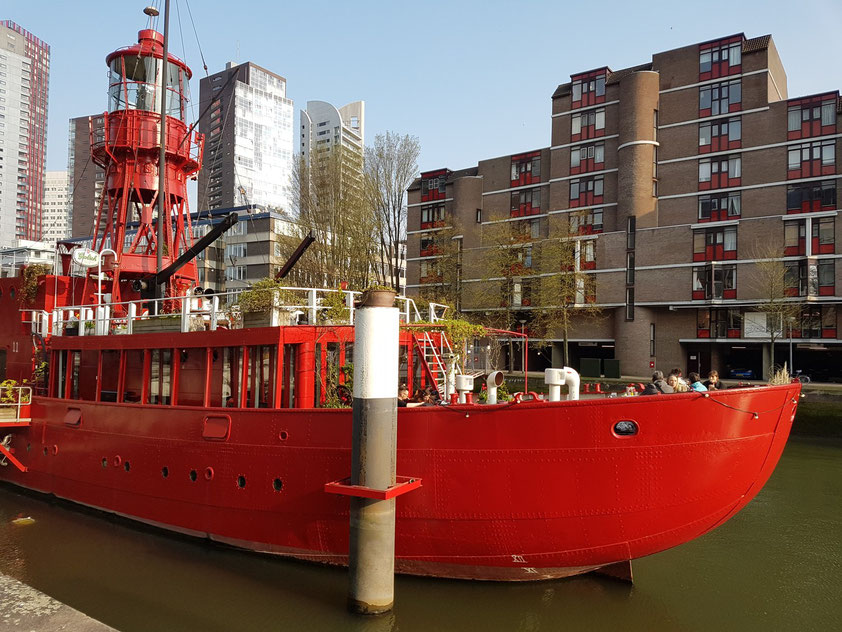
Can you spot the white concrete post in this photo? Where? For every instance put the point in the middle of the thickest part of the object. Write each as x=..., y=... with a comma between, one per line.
x=130, y=318
x=185, y=314
x=214, y=312
x=311, y=307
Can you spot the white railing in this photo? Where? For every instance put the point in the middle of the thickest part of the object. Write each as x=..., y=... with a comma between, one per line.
x=194, y=313
x=22, y=397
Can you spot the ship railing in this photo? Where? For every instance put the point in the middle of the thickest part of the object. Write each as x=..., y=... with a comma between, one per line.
x=200, y=313
x=14, y=403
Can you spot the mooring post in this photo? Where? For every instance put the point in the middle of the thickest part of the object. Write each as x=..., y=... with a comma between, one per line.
x=371, y=557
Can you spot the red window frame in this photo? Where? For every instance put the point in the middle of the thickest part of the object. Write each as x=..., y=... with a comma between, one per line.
x=720, y=104
x=592, y=160
x=719, y=135
x=588, y=88
x=713, y=244
x=811, y=196
x=810, y=159
x=525, y=202
x=432, y=215
x=716, y=66
x=718, y=206
x=719, y=170
x=589, y=191
x=434, y=185
x=708, y=289
x=828, y=247
x=526, y=169
x=591, y=125
x=809, y=111
x=586, y=222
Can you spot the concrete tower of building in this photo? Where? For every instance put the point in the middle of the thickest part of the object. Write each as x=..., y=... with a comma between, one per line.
x=56, y=214
x=248, y=138
x=323, y=126
x=25, y=72
x=86, y=178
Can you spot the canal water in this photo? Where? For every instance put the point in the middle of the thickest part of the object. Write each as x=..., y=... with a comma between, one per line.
x=775, y=566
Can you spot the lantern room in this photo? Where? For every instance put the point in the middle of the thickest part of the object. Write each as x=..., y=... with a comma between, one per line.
x=135, y=78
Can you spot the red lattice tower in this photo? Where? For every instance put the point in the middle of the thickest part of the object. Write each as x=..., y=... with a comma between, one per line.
x=128, y=149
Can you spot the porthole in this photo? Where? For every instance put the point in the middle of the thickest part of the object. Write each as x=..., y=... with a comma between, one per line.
x=193, y=475
x=208, y=473
x=283, y=435
x=241, y=481
x=165, y=471
x=127, y=466
x=625, y=428
x=277, y=484
x=104, y=463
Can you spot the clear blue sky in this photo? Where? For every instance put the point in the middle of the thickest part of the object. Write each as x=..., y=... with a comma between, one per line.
x=471, y=79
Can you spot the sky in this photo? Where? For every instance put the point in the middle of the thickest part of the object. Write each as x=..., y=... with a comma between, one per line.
x=471, y=79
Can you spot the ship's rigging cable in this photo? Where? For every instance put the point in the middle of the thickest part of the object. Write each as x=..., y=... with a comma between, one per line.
x=198, y=43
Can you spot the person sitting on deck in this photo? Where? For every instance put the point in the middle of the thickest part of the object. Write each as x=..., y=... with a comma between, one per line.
x=403, y=398
x=696, y=382
x=657, y=385
x=678, y=385
x=713, y=383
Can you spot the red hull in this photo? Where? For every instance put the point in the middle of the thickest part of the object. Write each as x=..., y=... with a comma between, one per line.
x=510, y=492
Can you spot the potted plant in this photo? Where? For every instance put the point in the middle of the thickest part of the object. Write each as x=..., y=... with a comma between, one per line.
x=266, y=304
x=377, y=296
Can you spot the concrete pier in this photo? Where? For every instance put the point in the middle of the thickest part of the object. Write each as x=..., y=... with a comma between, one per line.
x=28, y=610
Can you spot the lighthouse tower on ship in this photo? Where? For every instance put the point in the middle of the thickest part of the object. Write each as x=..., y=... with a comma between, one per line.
x=129, y=151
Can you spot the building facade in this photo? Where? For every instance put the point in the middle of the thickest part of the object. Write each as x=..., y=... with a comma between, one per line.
x=324, y=126
x=680, y=180
x=248, y=126
x=25, y=74
x=85, y=177
x=56, y=215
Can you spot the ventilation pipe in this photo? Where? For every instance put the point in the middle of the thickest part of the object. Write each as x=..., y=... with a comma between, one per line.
x=464, y=385
x=555, y=378
x=492, y=383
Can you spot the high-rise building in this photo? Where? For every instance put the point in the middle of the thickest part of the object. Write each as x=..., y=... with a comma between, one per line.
x=248, y=128
x=85, y=177
x=56, y=213
x=25, y=73
x=323, y=126
x=682, y=181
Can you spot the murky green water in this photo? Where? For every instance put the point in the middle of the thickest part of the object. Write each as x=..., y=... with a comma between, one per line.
x=775, y=566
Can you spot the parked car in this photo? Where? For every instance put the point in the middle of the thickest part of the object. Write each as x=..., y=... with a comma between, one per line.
x=742, y=373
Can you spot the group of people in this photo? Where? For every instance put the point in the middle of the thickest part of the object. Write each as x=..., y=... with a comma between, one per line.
x=423, y=397
x=676, y=383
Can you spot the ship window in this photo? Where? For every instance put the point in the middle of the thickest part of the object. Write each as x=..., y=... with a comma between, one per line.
x=61, y=373
x=191, y=377
x=261, y=377
x=160, y=374
x=226, y=369
x=73, y=371
x=87, y=371
x=288, y=384
x=110, y=374
x=132, y=378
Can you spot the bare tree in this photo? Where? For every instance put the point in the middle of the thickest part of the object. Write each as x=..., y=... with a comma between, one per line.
x=328, y=195
x=775, y=286
x=391, y=163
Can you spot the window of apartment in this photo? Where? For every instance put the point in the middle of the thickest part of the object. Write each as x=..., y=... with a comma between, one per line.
x=524, y=256
x=586, y=222
x=630, y=268
x=235, y=273
x=715, y=244
x=522, y=293
x=526, y=169
x=826, y=277
x=715, y=282
x=435, y=185
x=432, y=215
x=587, y=254
x=587, y=89
x=235, y=251
x=719, y=206
x=526, y=202
x=585, y=191
x=651, y=340
x=629, y=303
x=824, y=235
x=795, y=237
x=720, y=135
x=631, y=229
x=811, y=159
x=587, y=158
x=722, y=171
x=535, y=228
x=816, y=321
x=587, y=124
x=812, y=117
x=720, y=58
x=479, y=216
x=811, y=196
x=720, y=98
x=428, y=247
x=719, y=323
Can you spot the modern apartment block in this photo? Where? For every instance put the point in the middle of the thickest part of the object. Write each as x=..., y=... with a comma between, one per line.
x=56, y=218
x=323, y=126
x=683, y=178
x=24, y=83
x=248, y=126
x=85, y=177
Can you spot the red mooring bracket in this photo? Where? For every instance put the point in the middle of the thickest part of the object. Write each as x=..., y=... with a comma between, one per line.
x=8, y=454
x=402, y=485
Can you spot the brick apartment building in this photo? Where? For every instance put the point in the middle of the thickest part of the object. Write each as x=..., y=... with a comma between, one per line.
x=680, y=172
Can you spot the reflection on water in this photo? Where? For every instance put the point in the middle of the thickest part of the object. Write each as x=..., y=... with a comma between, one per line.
x=774, y=566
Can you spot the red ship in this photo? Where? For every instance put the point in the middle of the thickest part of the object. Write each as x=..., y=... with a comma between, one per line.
x=223, y=433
